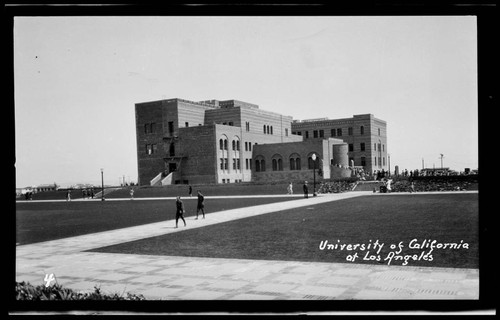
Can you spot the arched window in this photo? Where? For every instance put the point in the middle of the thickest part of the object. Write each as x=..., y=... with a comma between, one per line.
x=294, y=161
x=271, y=129
x=260, y=164
x=238, y=145
x=277, y=162
x=310, y=162
x=221, y=144
x=264, y=128
x=225, y=144
x=234, y=145
x=268, y=130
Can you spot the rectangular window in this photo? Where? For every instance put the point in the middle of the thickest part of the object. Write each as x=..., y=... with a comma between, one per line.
x=321, y=133
x=170, y=128
x=225, y=163
x=339, y=132
x=333, y=133
x=148, y=149
x=375, y=160
x=315, y=133
x=246, y=164
x=375, y=147
x=234, y=164
x=249, y=146
x=362, y=146
x=383, y=160
x=351, y=147
x=363, y=161
x=307, y=134
x=222, y=163
x=362, y=130
x=299, y=133
x=238, y=164
x=383, y=148
x=250, y=163
x=349, y=131
x=187, y=124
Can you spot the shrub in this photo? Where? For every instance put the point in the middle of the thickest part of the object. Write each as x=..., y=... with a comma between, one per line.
x=26, y=291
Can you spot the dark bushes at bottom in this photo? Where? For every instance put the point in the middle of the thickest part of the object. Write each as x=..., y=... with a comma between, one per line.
x=26, y=291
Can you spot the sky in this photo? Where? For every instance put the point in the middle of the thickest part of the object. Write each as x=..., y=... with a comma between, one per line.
x=77, y=80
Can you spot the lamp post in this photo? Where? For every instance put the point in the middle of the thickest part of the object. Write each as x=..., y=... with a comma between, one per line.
x=314, y=174
x=102, y=184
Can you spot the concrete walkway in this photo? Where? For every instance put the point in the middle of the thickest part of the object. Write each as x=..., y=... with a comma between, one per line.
x=192, y=278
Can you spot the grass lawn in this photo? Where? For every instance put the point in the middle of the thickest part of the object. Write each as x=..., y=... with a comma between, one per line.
x=296, y=234
x=43, y=221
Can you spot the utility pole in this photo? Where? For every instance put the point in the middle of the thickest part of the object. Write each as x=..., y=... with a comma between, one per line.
x=102, y=184
x=442, y=156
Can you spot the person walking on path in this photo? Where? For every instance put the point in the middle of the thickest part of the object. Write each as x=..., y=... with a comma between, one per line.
x=190, y=191
x=179, y=211
x=131, y=194
x=290, y=189
x=306, y=190
x=68, y=195
x=201, y=205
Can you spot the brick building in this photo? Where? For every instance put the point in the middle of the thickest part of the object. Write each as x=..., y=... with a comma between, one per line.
x=365, y=135
x=181, y=141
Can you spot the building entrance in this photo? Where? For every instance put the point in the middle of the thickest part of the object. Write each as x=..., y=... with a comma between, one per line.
x=172, y=167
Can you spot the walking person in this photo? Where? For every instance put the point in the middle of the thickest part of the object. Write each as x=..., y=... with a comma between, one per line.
x=306, y=190
x=201, y=205
x=179, y=211
x=412, y=187
x=190, y=191
x=68, y=195
x=290, y=189
x=131, y=194
x=388, y=185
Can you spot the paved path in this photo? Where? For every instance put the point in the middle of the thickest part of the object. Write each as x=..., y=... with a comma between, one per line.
x=191, y=278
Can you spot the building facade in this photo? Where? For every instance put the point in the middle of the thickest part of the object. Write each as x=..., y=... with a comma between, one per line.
x=365, y=135
x=182, y=141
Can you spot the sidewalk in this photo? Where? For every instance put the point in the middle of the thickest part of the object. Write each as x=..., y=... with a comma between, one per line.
x=192, y=278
